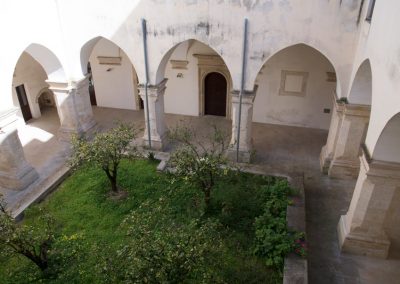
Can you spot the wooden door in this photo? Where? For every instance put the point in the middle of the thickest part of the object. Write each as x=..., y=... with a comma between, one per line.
x=23, y=102
x=215, y=94
x=92, y=92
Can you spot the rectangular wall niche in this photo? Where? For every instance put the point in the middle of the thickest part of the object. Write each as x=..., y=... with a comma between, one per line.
x=293, y=83
x=109, y=60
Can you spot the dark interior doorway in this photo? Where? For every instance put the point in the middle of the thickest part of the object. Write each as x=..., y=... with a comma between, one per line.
x=215, y=88
x=23, y=102
x=92, y=92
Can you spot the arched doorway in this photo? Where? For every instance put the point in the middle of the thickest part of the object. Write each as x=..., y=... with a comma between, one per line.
x=46, y=101
x=215, y=93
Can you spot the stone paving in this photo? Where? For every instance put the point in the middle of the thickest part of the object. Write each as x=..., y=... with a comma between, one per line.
x=279, y=149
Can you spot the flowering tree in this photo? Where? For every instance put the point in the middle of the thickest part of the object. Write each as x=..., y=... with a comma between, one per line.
x=197, y=162
x=32, y=242
x=105, y=151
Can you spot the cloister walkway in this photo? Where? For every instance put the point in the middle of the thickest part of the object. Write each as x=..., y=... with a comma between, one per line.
x=278, y=149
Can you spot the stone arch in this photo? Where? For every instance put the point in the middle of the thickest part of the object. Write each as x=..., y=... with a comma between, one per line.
x=160, y=74
x=296, y=87
x=49, y=61
x=114, y=60
x=43, y=67
x=387, y=146
x=361, y=89
x=194, y=59
x=282, y=48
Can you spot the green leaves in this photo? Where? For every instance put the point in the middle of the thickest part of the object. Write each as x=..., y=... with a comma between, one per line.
x=105, y=151
x=30, y=241
x=198, y=161
x=160, y=250
x=273, y=239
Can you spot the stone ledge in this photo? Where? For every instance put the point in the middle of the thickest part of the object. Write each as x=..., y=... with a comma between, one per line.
x=295, y=270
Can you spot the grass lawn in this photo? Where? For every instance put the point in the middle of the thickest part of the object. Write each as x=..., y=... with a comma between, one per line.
x=91, y=232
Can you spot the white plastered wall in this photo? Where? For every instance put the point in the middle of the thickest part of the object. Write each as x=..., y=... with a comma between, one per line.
x=31, y=74
x=182, y=93
x=114, y=84
x=308, y=110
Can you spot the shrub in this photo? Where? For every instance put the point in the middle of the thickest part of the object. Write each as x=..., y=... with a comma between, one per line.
x=273, y=239
x=161, y=251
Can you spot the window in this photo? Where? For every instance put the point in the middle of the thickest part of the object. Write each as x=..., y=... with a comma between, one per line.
x=370, y=10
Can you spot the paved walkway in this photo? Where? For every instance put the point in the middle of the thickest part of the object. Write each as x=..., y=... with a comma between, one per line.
x=279, y=149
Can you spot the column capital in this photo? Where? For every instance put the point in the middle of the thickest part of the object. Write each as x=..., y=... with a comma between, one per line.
x=248, y=96
x=153, y=90
x=68, y=86
x=357, y=110
x=376, y=169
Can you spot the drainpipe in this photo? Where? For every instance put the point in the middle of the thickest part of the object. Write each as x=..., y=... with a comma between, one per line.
x=241, y=87
x=144, y=31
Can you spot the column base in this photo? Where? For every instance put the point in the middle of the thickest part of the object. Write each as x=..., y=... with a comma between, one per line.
x=157, y=143
x=324, y=160
x=362, y=244
x=88, y=129
x=245, y=156
x=20, y=180
x=344, y=169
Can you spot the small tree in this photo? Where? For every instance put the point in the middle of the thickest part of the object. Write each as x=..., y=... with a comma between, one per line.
x=105, y=151
x=33, y=242
x=199, y=161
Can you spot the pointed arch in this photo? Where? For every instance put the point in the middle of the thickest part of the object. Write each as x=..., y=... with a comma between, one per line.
x=387, y=147
x=113, y=75
x=361, y=89
x=48, y=60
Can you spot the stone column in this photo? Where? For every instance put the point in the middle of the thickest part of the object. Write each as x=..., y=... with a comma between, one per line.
x=158, y=129
x=245, y=143
x=15, y=172
x=328, y=150
x=351, y=135
x=361, y=230
x=73, y=106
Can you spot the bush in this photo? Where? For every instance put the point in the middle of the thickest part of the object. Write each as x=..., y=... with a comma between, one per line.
x=159, y=250
x=273, y=239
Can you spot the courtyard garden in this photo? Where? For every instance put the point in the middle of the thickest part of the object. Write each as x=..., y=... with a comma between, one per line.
x=161, y=227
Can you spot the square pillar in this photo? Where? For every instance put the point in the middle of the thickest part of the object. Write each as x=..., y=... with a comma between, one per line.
x=158, y=129
x=15, y=172
x=73, y=107
x=328, y=150
x=361, y=230
x=351, y=134
x=245, y=143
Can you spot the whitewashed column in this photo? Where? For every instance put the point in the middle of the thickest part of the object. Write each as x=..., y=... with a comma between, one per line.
x=245, y=143
x=15, y=172
x=361, y=230
x=328, y=150
x=73, y=106
x=158, y=129
x=351, y=135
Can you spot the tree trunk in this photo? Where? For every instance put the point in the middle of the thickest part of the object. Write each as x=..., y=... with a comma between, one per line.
x=41, y=263
x=114, y=186
x=207, y=197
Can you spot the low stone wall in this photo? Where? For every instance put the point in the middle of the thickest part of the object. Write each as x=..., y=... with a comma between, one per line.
x=295, y=270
